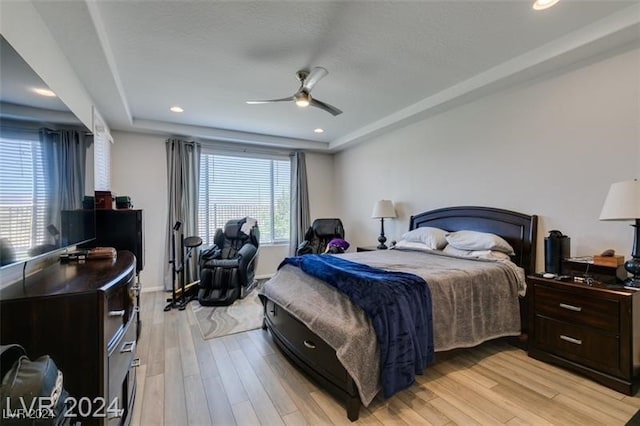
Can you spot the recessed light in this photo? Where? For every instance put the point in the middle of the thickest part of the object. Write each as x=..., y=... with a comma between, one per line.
x=44, y=92
x=176, y=109
x=318, y=130
x=544, y=4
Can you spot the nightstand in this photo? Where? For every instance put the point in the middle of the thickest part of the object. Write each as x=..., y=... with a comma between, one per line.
x=366, y=248
x=593, y=330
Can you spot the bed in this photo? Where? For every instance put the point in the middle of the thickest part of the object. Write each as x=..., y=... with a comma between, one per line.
x=335, y=343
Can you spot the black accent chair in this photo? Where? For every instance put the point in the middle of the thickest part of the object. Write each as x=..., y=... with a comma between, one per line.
x=227, y=269
x=318, y=236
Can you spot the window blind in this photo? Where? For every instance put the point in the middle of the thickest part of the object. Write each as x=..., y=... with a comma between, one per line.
x=23, y=193
x=101, y=153
x=232, y=187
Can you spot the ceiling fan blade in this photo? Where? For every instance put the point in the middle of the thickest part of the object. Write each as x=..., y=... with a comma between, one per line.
x=314, y=76
x=268, y=101
x=329, y=108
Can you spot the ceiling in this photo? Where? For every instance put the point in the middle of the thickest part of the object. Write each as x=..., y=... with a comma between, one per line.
x=389, y=62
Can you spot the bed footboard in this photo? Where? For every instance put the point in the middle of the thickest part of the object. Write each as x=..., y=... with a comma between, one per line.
x=311, y=354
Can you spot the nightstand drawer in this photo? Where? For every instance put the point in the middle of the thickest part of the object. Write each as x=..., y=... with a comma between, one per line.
x=601, y=313
x=583, y=345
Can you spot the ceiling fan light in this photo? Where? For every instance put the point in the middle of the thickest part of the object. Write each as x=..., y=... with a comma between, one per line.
x=544, y=4
x=302, y=99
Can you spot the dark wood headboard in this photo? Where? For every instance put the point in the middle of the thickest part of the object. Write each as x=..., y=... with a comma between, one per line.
x=518, y=229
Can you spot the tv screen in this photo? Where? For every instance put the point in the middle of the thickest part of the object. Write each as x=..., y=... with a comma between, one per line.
x=43, y=167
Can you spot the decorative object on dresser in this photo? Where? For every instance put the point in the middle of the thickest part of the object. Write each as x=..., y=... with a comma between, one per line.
x=556, y=248
x=83, y=316
x=592, y=330
x=383, y=209
x=623, y=203
x=585, y=267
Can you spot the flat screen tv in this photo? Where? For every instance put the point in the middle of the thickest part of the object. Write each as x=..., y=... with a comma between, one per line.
x=44, y=164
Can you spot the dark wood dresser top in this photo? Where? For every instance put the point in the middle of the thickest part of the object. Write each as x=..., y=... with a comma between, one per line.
x=72, y=278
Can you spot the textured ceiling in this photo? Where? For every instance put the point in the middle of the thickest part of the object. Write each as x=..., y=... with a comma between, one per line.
x=389, y=61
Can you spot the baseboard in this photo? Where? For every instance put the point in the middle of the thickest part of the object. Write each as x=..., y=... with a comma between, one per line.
x=150, y=289
x=160, y=288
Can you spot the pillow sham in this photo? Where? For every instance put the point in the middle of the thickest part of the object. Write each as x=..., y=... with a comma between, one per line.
x=476, y=254
x=434, y=238
x=474, y=240
x=411, y=245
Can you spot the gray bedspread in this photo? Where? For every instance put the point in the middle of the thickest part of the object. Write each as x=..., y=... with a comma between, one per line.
x=472, y=301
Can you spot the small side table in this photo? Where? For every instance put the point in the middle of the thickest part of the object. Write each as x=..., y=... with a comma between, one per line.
x=366, y=248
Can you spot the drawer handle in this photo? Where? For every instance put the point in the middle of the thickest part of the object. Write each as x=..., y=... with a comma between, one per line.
x=135, y=363
x=309, y=344
x=116, y=313
x=571, y=307
x=570, y=339
x=128, y=347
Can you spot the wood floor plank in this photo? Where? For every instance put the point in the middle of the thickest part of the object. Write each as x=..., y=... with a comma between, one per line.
x=220, y=410
x=270, y=381
x=297, y=389
x=155, y=359
x=190, y=366
x=336, y=413
x=423, y=407
x=136, y=415
x=206, y=364
x=175, y=408
x=262, y=404
x=244, y=414
x=486, y=393
x=153, y=402
x=294, y=419
x=232, y=384
x=197, y=407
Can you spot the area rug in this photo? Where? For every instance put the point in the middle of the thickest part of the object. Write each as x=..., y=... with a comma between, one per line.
x=243, y=315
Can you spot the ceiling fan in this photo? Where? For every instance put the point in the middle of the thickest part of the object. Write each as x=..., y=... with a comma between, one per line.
x=308, y=79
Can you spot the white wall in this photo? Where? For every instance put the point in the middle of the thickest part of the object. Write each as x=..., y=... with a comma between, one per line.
x=139, y=171
x=550, y=148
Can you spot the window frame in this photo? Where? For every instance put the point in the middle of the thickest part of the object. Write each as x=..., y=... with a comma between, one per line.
x=212, y=151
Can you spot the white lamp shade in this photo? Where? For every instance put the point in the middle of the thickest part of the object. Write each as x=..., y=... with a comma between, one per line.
x=622, y=202
x=383, y=208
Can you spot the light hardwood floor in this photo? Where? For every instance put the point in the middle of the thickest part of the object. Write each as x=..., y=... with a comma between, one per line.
x=243, y=379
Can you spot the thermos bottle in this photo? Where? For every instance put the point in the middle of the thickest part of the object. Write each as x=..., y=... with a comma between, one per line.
x=556, y=248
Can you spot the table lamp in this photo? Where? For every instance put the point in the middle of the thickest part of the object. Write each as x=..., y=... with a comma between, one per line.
x=623, y=203
x=383, y=209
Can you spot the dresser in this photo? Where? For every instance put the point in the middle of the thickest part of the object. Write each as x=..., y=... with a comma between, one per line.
x=84, y=316
x=592, y=330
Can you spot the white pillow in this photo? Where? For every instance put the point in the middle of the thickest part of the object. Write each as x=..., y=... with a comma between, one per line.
x=434, y=238
x=474, y=240
x=476, y=254
x=411, y=245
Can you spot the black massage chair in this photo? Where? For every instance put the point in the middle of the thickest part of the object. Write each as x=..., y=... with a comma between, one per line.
x=227, y=269
x=318, y=236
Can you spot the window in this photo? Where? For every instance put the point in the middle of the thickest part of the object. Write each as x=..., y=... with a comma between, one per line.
x=101, y=153
x=234, y=186
x=23, y=191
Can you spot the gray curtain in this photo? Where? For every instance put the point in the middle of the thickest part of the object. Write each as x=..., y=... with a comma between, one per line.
x=64, y=156
x=300, y=217
x=183, y=170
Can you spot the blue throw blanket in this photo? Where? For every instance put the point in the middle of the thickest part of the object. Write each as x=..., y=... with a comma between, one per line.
x=398, y=305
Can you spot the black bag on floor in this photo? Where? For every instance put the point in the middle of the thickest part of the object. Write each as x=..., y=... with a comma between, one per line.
x=31, y=392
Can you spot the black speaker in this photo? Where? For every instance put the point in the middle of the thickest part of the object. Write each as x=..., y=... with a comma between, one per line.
x=122, y=230
x=556, y=248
